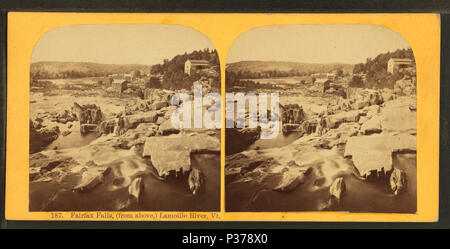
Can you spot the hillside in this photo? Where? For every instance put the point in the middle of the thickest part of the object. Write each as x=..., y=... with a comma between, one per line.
x=376, y=70
x=52, y=69
x=263, y=66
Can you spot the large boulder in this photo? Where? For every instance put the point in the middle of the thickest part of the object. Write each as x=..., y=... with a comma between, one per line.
x=333, y=121
x=397, y=116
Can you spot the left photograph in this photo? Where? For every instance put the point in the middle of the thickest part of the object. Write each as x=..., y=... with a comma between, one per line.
x=124, y=117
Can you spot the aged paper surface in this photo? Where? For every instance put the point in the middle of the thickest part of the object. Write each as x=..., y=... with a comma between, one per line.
x=127, y=117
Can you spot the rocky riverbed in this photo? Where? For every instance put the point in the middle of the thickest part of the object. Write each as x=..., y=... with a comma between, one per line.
x=98, y=151
x=355, y=154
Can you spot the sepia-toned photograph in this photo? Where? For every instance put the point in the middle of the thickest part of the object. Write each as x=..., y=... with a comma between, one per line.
x=104, y=105
x=337, y=131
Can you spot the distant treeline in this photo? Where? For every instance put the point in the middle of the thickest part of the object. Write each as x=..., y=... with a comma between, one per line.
x=376, y=70
x=69, y=74
x=236, y=78
x=266, y=74
x=173, y=70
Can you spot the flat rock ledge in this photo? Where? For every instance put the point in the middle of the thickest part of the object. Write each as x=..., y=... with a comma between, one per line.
x=374, y=153
x=173, y=153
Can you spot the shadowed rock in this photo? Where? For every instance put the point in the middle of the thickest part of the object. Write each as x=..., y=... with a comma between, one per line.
x=195, y=180
x=291, y=178
x=239, y=139
x=292, y=114
x=136, y=189
x=397, y=181
x=337, y=190
x=41, y=137
x=92, y=177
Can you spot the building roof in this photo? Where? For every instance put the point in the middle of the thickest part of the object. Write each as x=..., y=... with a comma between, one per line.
x=119, y=81
x=322, y=80
x=401, y=60
x=199, y=62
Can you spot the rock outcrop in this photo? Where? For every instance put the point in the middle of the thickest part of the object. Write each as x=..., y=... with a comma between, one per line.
x=292, y=114
x=89, y=116
x=154, y=95
x=239, y=139
x=405, y=86
x=41, y=137
x=363, y=95
x=88, y=128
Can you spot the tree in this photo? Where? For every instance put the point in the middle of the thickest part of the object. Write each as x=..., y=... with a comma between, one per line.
x=356, y=82
x=153, y=82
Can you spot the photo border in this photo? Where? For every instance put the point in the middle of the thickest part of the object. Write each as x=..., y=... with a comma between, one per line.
x=433, y=94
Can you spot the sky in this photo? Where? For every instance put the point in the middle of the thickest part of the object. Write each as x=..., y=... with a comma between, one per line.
x=147, y=44
x=338, y=43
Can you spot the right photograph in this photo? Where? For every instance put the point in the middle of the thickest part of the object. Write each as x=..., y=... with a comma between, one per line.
x=321, y=118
